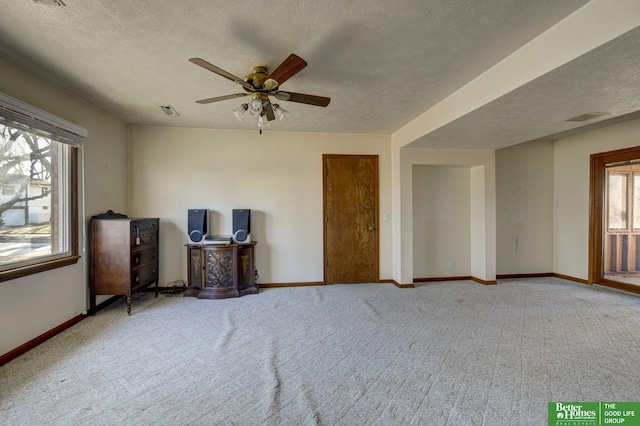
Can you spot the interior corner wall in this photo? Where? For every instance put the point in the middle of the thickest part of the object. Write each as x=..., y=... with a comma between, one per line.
x=524, y=208
x=441, y=221
x=571, y=192
x=396, y=211
x=478, y=230
x=35, y=304
x=277, y=175
x=482, y=201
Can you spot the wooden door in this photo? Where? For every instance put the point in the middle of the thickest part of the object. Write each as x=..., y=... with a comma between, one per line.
x=350, y=218
x=614, y=222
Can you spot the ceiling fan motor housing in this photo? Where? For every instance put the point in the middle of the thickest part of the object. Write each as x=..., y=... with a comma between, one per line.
x=257, y=77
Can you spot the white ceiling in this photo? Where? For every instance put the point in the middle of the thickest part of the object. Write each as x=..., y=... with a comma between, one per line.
x=606, y=79
x=382, y=63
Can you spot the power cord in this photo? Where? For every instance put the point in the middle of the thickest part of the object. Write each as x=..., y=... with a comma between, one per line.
x=175, y=288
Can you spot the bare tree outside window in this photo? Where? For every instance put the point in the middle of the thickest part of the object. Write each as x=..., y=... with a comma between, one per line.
x=28, y=166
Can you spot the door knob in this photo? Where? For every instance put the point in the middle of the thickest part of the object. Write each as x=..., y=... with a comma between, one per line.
x=372, y=228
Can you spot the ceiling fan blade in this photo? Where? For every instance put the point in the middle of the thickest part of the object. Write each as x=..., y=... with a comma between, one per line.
x=206, y=65
x=222, y=98
x=287, y=69
x=269, y=111
x=303, y=99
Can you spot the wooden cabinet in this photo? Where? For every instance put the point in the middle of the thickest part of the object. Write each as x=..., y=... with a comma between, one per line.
x=124, y=255
x=247, y=269
x=221, y=271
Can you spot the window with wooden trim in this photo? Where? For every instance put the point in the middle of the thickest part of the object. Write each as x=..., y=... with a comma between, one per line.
x=39, y=198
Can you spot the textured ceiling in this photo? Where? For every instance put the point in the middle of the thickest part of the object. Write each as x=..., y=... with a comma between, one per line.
x=383, y=63
x=606, y=79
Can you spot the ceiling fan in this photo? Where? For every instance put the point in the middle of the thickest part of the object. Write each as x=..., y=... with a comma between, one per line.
x=260, y=84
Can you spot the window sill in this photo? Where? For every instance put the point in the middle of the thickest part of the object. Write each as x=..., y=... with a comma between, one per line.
x=12, y=274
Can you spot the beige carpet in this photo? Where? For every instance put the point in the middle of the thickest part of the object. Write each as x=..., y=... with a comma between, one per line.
x=449, y=353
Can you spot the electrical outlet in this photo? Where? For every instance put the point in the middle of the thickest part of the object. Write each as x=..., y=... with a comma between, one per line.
x=452, y=266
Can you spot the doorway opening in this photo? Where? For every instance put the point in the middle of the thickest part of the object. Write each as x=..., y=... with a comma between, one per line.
x=614, y=236
x=621, y=245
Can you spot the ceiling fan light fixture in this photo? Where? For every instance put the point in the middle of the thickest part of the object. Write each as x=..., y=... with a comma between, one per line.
x=280, y=112
x=255, y=106
x=260, y=85
x=240, y=111
x=262, y=123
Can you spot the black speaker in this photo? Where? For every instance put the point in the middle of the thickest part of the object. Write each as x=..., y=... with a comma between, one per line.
x=198, y=225
x=242, y=226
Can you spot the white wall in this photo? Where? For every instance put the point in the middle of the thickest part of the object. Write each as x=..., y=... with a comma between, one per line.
x=524, y=208
x=571, y=192
x=33, y=305
x=478, y=229
x=482, y=208
x=441, y=221
x=276, y=175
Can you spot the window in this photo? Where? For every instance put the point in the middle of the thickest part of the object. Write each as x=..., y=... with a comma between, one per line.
x=636, y=201
x=39, y=181
x=617, y=197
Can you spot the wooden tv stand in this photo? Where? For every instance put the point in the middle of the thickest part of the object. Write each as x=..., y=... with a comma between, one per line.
x=219, y=271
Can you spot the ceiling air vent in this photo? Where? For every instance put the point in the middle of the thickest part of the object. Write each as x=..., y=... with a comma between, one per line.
x=588, y=116
x=50, y=2
x=169, y=110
